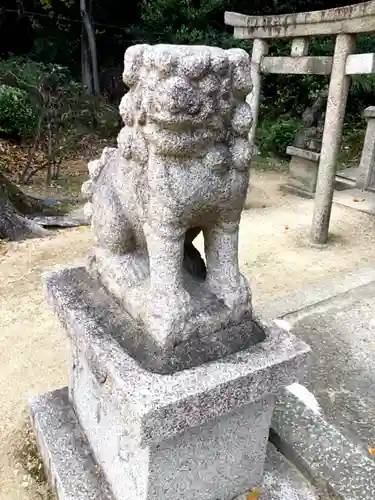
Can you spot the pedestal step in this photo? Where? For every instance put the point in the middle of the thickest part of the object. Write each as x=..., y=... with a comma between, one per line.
x=321, y=451
x=74, y=474
x=70, y=466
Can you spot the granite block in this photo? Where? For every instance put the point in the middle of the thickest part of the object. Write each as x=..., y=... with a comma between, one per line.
x=324, y=455
x=75, y=475
x=303, y=169
x=283, y=481
x=89, y=293
x=148, y=431
x=68, y=461
x=163, y=405
x=214, y=460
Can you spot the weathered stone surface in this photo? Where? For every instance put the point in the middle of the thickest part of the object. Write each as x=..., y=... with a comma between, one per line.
x=181, y=166
x=68, y=460
x=370, y=112
x=303, y=153
x=360, y=64
x=260, y=50
x=148, y=431
x=322, y=452
x=303, y=65
x=335, y=112
x=336, y=319
x=357, y=199
x=168, y=404
x=172, y=380
x=75, y=290
x=300, y=47
x=349, y=19
x=282, y=481
x=303, y=169
x=307, y=298
x=75, y=475
x=366, y=169
x=342, y=374
x=216, y=459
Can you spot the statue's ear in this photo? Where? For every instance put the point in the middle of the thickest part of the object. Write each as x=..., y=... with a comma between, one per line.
x=133, y=61
x=241, y=73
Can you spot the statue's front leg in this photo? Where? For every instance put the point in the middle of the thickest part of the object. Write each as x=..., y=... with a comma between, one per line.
x=169, y=303
x=223, y=275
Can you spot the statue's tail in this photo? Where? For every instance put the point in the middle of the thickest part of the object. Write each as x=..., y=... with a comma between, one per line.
x=95, y=169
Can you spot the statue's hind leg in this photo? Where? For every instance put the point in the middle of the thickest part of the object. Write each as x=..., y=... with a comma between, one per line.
x=112, y=232
x=116, y=259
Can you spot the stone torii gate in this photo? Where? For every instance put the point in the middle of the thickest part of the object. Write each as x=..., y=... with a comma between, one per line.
x=344, y=23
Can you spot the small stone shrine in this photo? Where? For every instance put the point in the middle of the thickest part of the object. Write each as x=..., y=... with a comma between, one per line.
x=172, y=381
x=305, y=152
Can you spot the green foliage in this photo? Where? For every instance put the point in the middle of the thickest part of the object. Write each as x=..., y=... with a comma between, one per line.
x=43, y=102
x=275, y=136
x=186, y=22
x=54, y=32
x=17, y=114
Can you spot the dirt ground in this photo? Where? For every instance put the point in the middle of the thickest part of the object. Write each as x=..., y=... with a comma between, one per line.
x=274, y=254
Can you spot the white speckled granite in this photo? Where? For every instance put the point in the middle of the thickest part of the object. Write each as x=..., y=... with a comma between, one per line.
x=181, y=167
x=172, y=379
x=199, y=433
x=72, y=469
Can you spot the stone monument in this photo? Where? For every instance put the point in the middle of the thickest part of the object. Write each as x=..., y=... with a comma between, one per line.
x=172, y=380
x=305, y=152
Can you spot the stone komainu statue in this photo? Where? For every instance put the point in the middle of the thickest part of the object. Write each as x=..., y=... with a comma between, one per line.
x=181, y=167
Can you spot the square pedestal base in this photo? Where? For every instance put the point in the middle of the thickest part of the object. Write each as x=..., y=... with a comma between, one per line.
x=74, y=474
x=197, y=434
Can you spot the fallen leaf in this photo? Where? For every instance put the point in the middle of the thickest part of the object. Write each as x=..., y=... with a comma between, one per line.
x=358, y=200
x=253, y=495
x=371, y=451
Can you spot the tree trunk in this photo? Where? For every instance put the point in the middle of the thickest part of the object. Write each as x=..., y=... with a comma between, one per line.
x=49, y=174
x=90, y=33
x=13, y=202
x=85, y=63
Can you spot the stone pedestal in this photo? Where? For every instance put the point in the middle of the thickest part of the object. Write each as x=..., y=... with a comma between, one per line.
x=366, y=169
x=197, y=434
x=303, y=171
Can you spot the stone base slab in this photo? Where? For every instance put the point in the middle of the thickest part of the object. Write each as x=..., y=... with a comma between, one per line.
x=74, y=289
x=74, y=474
x=287, y=188
x=322, y=452
x=303, y=170
x=70, y=466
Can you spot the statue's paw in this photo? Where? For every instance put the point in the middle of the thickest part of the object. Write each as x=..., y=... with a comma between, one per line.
x=168, y=314
x=235, y=293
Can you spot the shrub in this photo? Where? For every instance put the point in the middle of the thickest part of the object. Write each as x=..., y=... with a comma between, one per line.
x=17, y=114
x=275, y=136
